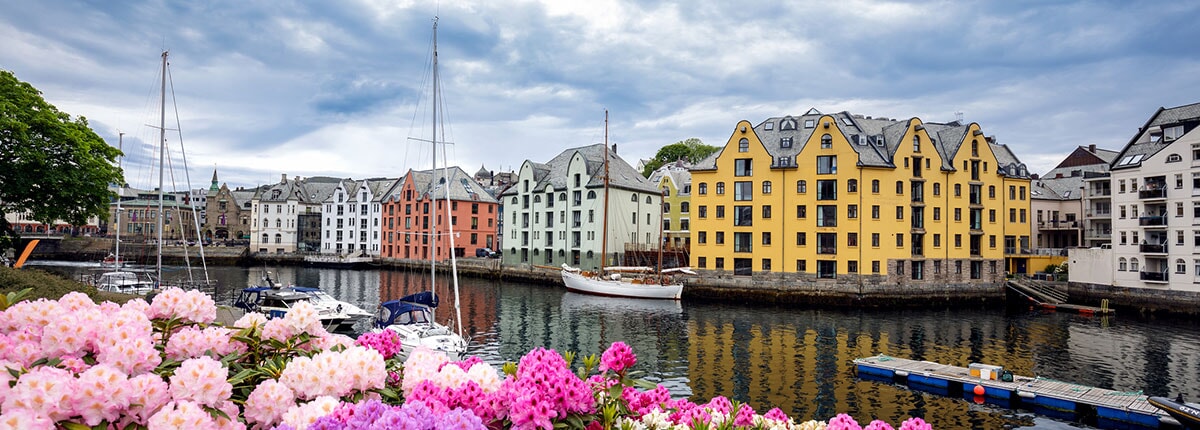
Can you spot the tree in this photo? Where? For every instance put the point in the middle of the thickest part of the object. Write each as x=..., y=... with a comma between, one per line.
x=52, y=167
x=691, y=150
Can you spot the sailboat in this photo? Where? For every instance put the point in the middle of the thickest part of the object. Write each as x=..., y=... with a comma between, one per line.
x=623, y=281
x=412, y=317
x=113, y=276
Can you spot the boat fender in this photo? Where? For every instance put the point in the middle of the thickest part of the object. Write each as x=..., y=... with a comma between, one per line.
x=1026, y=395
x=902, y=373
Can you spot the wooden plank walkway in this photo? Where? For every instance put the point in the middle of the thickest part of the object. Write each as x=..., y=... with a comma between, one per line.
x=1025, y=388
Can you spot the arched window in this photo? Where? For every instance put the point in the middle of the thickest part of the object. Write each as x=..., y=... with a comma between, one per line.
x=666, y=207
x=743, y=145
x=666, y=192
x=561, y=253
x=826, y=141
x=1122, y=264
x=591, y=195
x=537, y=199
x=875, y=186
x=279, y=223
x=801, y=186
x=648, y=201
x=852, y=186
x=562, y=197
x=590, y=254
x=1174, y=158
x=703, y=188
x=633, y=198
x=720, y=188
x=991, y=191
x=265, y=238
x=514, y=200
x=1180, y=266
x=766, y=185
x=1133, y=264
x=278, y=238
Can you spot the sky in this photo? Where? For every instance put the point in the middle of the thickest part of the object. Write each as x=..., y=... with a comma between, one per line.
x=260, y=89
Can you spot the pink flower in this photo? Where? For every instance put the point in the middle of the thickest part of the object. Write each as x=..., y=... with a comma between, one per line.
x=720, y=404
x=181, y=415
x=301, y=416
x=776, y=414
x=133, y=356
x=387, y=342
x=192, y=305
x=268, y=402
x=190, y=342
x=202, y=380
x=843, y=422
x=617, y=358
x=147, y=393
x=878, y=425
x=44, y=390
x=915, y=423
x=303, y=318
x=251, y=319
x=24, y=419
x=100, y=394
x=745, y=416
x=277, y=329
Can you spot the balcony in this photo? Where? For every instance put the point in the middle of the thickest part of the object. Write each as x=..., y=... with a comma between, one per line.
x=1058, y=225
x=1153, y=221
x=1153, y=193
x=1150, y=248
x=827, y=250
x=1100, y=193
x=1092, y=213
x=1098, y=233
x=1154, y=276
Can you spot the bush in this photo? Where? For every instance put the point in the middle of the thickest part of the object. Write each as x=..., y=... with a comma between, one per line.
x=45, y=285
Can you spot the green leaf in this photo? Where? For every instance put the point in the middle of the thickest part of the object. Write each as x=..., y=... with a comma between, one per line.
x=74, y=426
x=216, y=413
x=242, y=376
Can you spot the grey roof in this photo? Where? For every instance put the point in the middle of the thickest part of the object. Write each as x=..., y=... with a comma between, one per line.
x=621, y=174
x=379, y=187
x=876, y=140
x=1141, y=147
x=679, y=173
x=462, y=186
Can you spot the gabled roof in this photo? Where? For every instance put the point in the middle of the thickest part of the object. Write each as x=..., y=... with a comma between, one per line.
x=1144, y=144
x=620, y=173
x=677, y=171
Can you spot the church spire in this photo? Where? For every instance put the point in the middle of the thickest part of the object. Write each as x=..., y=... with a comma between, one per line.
x=214, y=186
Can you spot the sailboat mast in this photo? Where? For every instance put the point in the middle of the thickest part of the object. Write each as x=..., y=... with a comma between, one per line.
x=433, y=237
x=604, y=225
x=662, y=196
x=120, y=191
x=162, y=154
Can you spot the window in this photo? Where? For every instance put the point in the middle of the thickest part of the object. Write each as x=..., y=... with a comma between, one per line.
x=784, y=142
x=957, y=214
x=801, y=186
x=741, y=242
x=701, y=262
x=826, y=216
x=720, y=211
x=937, y=189
x=703, y=211
x=766, y=238
x=720, y=238
x=852, y=186
x=809, y=123
x=992, y=216
x=743, y=145
x=1133, y=264
x=826, y=164
x=900, y=188
x=937, y=240
x=720, y=263
x=937, y=214
x=766, y=263
x=684, y=207
x=899, y=240
x=766, y=187
x=720, y=188
x=743, y=215
x=826, y=189
x=874, y=211
x=957, y=190
x=801, y=211
x=958, y=241
x=875, y=240
x=852, y=239
x=826, y=141
x=703, y=188
x=852, y=211
x=743, y=167
x=702, y=237
x=801, y=239
x=766, y=211
x=1180, y=266
x=742, y=191
x=899, y=212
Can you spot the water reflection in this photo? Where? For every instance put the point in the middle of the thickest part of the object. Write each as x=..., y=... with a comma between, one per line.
x=796, y=359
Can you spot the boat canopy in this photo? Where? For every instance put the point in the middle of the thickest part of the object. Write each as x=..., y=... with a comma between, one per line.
x=396, y=312
x=427, y=298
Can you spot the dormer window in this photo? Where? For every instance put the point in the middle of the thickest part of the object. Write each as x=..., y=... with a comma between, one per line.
x=768, y=125
x=787, y=124
x=743, y=145
x=1174, y=158
x=810, y=123
x=1172, y=133
x=785, y=142
x=916, y=143
x=826, y=141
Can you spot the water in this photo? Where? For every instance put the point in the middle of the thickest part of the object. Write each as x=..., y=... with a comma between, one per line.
x=798, y=359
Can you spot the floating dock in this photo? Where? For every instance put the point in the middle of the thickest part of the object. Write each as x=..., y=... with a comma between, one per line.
x=1057, y=399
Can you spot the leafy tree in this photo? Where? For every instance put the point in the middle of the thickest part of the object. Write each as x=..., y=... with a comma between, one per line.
x=51, y=165
x=691, y=150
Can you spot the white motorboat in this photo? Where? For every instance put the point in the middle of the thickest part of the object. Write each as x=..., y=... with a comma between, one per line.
x=412, y=319
x=124, y=281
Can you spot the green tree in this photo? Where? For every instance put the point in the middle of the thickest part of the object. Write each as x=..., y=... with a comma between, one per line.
x=51, y=165
x=691, y=150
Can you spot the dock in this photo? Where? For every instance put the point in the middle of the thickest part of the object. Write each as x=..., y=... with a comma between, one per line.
x=1046, y=296
x=1056, y=399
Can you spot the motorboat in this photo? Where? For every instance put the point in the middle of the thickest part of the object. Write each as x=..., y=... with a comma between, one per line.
x=1187, y=413
x=324, y=300
x=276, y=302
x=123, y=281
x=411, y=317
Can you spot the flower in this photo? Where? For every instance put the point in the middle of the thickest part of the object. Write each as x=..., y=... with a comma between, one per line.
x=387, y=342
x=617, y=358
x=300, y=416
x=44, y=390
x=843, y=422
x=202, y=380
x=181, y=415
x=100, y=394
x=268, y=402
x=915, y=423
x=192, y=305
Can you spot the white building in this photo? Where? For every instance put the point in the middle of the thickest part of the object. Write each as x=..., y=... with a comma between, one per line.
x=352, y=214
x=276, y=211
x=1155, y=201
x=554, y=212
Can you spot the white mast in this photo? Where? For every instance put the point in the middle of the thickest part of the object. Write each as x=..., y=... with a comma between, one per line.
x=162, y=142
x=433, y=172
x=120, y=192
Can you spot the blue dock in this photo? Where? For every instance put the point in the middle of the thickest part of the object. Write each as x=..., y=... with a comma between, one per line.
x=1057, y=399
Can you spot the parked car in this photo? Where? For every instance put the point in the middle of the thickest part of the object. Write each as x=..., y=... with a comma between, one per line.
x=483, y=252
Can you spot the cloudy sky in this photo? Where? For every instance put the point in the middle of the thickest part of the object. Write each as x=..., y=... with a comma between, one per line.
x=264, y=88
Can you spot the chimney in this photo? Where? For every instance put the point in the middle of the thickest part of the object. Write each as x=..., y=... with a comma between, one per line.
x=283, y=179
x=1058, y=176
x=614, y=148
x=1092, y=148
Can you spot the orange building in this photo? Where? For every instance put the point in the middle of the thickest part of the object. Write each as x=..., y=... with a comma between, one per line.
x=414, y=210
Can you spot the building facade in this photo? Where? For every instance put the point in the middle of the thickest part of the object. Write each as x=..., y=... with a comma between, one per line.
x=353, y=214
x=555, y=212
x=230, y=211
x=417, y=222
x=859, y=198
x=1155, y=198
x=138, y=217
x=275, y=210
x=675, y=182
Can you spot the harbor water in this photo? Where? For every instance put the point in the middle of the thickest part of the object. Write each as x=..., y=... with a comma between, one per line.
x=794, y=358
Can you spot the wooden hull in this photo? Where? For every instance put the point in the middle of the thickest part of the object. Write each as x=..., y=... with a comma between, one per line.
x=620, y=288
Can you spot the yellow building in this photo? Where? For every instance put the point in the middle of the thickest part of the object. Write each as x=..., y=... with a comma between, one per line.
x=911, y=203
x=676, y=184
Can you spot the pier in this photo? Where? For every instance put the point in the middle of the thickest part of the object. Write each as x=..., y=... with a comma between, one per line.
x=1056, y=399
x=1046, y=296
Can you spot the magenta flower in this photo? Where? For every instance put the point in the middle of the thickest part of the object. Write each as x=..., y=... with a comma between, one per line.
x=878, y=425
x=843, y=422
x=915, y=423
x=775, y=414
x=387, y=342
x=745, y=416
x=617, y=358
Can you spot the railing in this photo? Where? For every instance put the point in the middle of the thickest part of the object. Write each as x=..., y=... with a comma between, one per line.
x=1099, y=213
x=1100, y=193
x=827, y=250
x=1058, y=224
x=1153, y=193
x=1152, y=220
x=1099, y=233
x=1154, y=276
x=1160, y=248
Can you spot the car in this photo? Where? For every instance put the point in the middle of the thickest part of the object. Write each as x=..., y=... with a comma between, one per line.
x=494, y=254
x=483, y=252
